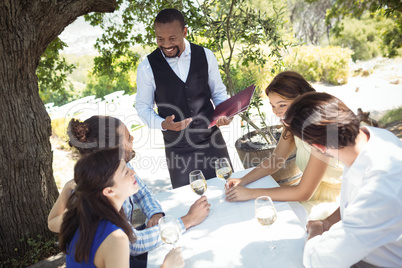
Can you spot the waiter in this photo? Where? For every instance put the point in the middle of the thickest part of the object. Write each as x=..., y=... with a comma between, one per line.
x=182, y=78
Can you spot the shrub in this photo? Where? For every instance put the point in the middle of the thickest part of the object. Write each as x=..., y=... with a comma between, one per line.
x=39, y=249
x=361, y=36
x=391, y=116
x=101, y=86
x=59, y=128
x=326, y=64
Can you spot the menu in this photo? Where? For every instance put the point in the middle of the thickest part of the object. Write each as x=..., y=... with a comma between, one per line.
x=234, y=105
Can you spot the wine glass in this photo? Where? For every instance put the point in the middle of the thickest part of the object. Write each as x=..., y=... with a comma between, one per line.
x=223, y=168
x=169, y=228
x=265, y=214
x=198, y=183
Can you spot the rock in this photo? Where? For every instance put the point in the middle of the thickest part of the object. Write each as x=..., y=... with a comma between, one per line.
x=56, y=261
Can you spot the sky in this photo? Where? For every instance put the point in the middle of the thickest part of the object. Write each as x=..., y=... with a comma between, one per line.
x=80, y=38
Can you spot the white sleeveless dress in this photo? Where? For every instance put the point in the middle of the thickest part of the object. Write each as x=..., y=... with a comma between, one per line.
x=330, y=186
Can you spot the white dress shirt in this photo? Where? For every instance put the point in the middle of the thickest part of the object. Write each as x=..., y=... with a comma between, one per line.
x=145, y=99
x=371, y=210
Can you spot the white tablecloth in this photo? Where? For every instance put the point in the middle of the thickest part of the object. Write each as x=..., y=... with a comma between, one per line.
x=231, y=236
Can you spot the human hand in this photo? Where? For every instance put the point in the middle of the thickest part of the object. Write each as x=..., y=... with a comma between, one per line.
x=232, y=182
x=154, y=220
x=317, y=227
x=169, y=124
x=69, y=187
x=237, y=193
x=197, y=212
x=223, y=121
x=173, y=259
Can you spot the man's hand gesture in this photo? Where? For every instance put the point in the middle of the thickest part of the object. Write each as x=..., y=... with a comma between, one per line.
x=169, y=124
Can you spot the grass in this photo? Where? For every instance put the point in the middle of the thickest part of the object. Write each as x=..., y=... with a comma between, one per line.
x=39, y=249
x=391, y=116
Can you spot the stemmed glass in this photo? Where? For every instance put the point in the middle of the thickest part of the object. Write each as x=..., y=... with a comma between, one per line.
x=223, y=168
x=265, y=214
x=169, y=229
x=198, y=183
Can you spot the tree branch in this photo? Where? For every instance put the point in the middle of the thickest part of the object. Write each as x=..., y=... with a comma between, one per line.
x=50, y=19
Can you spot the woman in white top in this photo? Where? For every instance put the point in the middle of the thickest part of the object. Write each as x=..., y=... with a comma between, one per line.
x=321, y=175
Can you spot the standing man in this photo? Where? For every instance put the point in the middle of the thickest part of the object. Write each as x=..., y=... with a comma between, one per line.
x=366, y=231
x=182, y=78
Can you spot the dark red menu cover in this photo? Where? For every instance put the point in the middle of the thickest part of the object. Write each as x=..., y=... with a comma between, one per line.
x=234, y=105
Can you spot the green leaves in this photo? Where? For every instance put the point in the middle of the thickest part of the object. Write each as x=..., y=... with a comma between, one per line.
x=391, y=37
x=52, y=72
x=239, y=33
x=233, y=29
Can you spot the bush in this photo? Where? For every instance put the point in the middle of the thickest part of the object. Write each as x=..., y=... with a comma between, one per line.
x=39, y=249
x=328, y=64
x=101, y=86
x=391, y=116
x=361, y=36
x=59, y=128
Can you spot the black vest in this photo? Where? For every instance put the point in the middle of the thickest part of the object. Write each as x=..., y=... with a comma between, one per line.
x=183, y=99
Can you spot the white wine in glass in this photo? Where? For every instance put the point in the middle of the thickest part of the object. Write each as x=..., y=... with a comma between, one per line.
x=199, y=187
x=198, y=183
x=169, y=229
x=265, y=213
x=223, y=168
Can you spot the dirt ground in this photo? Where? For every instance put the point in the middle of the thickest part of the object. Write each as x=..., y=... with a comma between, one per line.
x=396, y=128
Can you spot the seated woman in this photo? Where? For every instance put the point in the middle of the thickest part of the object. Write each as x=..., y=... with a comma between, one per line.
x=321, y=175
x=94, y=230
x=103, y=132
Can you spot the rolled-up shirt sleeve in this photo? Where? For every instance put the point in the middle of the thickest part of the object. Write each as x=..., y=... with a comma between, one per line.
x=148, y=239
x=218, y=89
x=145, y=99
x=371, y=221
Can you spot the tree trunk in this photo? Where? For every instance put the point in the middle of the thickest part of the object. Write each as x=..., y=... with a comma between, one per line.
x=27, y=187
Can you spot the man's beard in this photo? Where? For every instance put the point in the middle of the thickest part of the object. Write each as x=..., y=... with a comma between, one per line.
x=174, y=56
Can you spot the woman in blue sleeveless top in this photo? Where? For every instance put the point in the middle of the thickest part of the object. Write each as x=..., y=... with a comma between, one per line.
x=95, y=232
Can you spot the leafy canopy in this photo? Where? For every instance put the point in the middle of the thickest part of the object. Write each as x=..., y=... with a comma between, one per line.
x=52, y=74
x=231, y=28
x=391, y=37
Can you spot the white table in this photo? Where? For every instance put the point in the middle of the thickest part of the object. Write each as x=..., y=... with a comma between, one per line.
x=231, y=236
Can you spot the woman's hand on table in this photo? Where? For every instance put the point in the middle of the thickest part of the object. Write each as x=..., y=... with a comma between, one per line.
x=237, y=193
x=154, y=220
x=232, y=182
x=173, y=259
x=197, y=212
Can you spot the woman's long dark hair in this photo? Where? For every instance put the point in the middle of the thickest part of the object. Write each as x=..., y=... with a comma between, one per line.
x=289, y=85
x=96, y=133
x=87, y=205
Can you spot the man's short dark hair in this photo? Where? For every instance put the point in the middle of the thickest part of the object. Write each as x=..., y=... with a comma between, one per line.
x=320, y=118
x=169, y=15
